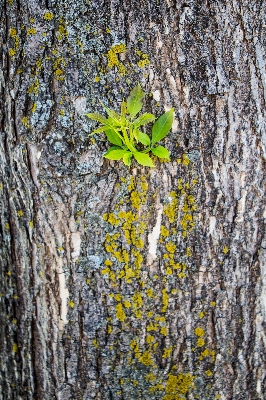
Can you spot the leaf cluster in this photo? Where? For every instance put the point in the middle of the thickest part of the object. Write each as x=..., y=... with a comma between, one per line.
x=125, y=132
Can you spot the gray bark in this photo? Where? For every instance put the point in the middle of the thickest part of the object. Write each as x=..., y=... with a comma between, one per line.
x=176, y=316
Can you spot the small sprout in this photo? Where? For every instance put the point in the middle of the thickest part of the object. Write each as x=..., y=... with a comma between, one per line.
x=124, y=131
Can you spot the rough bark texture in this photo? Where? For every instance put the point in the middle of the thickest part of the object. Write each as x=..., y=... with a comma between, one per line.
x=133, y=283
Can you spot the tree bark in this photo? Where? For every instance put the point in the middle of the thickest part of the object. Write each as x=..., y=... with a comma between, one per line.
x=133, y=283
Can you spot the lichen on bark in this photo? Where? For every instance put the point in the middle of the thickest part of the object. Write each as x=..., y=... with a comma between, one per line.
x=124, y=283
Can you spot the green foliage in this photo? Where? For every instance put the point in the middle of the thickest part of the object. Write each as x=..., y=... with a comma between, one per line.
x=123, y=131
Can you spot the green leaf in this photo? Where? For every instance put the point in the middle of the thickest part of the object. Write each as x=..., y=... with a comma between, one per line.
x=112, y=148
x=96, y=117
x=162, y=126
x=143, y=159
x=136, y=133
x=113, y=137
x=113, y=122
x=102, y=128
x=144, y=119
x=127, y=159
x=113, y=115
x=134, y=101
x=144, y=138
x=123, y=108
x=115, y=154
x=161, y=152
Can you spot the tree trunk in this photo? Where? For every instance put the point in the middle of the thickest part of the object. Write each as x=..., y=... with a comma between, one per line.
x=133, y=283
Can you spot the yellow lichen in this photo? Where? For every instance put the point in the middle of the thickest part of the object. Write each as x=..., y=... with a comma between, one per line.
x=15, y=348
x=143, y=63
x=199, y=332
x=163, y=331
x=177, y=386
x=34, y=107
x=120, y=314
x=105, y=271
x=167, y=352
x=146, y=358
x=184, y=160
x=225, y=250
x=188, y=252
x=48, y=16
x=201, y=314
x=127, y=304
x=200, y=342
x=150, y=339
x=152, y=327
x=207, y=353
x=12, y=52
x=169, y=271
x=164, y=232
x=71, y=304
x=112, y=57
x=34, y=87
x=155, y=388
x=170, y=247
x=31, y=31
x=144, y=59
x=171, y=208
x=165, y=299
x=150, y=377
